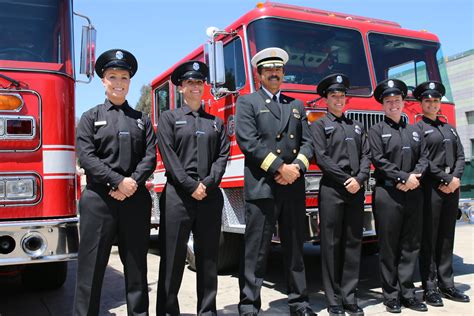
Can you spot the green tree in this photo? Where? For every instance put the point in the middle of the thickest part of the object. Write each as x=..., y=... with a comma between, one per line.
x=144, y=103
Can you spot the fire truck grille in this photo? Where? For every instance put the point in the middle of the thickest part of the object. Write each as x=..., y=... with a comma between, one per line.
x=369, y=119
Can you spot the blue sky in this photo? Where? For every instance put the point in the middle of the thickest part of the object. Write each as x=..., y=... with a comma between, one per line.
x=161, y=32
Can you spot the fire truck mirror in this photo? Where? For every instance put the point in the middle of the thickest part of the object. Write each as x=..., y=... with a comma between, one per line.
x=88, y=51
x=214, y=56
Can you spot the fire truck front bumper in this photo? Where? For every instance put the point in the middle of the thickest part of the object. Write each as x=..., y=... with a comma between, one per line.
x=25, y=242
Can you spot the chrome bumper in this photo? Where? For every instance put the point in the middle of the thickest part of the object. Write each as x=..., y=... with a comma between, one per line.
x=56, y=240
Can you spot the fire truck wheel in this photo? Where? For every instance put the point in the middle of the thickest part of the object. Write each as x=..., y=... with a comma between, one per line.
x=44, y=276
x=230, y=248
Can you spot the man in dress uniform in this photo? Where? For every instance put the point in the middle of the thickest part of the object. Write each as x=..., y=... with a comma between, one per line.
x=441, y=191
x=194, y=147
x=272, y=132
x=399, y=155
x=342, y=152
x=116, y=147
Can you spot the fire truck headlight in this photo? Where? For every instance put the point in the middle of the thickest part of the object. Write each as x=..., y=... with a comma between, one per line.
x=312, y=182
x=17, y=189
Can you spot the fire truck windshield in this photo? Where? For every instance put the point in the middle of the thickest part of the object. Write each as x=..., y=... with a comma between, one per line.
x=315, y=51
x=36, y=34
x=411, y=60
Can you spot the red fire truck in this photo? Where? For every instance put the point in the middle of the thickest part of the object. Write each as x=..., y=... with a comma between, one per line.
x=318, y=43
x=38, y=183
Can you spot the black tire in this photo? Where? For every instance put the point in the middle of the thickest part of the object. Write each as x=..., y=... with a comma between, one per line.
x=44, y=276
x=230, y=248
x=370, y=248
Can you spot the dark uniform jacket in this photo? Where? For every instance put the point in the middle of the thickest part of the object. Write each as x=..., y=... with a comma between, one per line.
x=332, y=152
x=99, y=146
x=397, y=150
x=178, y=145
x=270, y=134
x=438, y=136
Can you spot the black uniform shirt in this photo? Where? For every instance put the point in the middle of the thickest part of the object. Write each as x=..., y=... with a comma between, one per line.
x=178, y=144
x=98, y=144
x=437, y=136
x=397, y=150
x=331, y=148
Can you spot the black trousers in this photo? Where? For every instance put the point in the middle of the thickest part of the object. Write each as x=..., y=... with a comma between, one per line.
x=181, y=214
x=398, y=220
x=439, y=222
x=260, y=219
x=102, y=219
x=341, y=222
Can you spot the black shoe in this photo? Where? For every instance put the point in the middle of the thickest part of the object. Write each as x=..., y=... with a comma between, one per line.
x=451, y=293
x=433, y=298
x=413, y=304
x=353, y=309
x=307, y=311
x=249, y=314
x=336, y=310
x=393, y=306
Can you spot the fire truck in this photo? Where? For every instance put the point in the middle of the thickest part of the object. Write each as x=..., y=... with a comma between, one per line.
x=38, y=182
x=318, y=42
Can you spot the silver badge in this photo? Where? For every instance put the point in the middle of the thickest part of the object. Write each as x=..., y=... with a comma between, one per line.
x=357, y=129
x=140, y=124
x=390, y=83
x=416, y=137
x=118, y=55
x=431, y=85
x=196, y=66
x=339, y=79
x=267, y=101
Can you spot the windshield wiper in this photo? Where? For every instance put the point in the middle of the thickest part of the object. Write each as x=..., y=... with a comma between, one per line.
x=13, y=81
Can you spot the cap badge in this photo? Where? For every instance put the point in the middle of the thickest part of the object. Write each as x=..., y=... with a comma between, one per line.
x=196, y=66
x=118, y=55
x=431, y=85
x=339, y=79
x=273, y=53
x=390, y=84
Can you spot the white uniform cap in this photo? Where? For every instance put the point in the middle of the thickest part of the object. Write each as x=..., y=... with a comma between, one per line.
x=270, y=57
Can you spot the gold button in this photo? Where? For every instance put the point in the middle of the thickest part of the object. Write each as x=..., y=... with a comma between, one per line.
x=278, y=151
x=295, y=151
x=292, y=136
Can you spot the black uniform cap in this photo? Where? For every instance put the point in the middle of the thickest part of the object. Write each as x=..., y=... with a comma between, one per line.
x=429, y=89
x=333, y=82
x=189, y=70
x=116, y=58
x=390, y=87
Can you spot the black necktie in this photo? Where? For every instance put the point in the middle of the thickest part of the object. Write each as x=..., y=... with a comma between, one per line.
x=275, y=98
x=351, y=147
x=406, y=150
x=125, y=143
x=201, y=148
x=448, y=147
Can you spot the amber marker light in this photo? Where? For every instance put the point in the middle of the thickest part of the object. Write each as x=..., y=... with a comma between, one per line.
x=10, y=102
x=260, y=5
x=313, y=116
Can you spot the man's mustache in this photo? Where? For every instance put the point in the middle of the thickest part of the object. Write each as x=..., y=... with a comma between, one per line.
x=273, y=77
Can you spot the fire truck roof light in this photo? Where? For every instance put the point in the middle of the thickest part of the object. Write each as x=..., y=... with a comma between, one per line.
x=10, y=102
x=260, y=5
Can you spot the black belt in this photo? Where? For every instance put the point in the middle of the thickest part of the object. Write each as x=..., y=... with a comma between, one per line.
x=386, y=183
